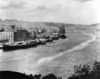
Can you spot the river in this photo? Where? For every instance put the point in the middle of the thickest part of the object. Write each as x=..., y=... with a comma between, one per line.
x=58, y=57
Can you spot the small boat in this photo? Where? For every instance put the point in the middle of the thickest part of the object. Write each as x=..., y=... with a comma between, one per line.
x=32, y=43
x=38, y=42
x=48, y=38
x=54, y=37
x=42, y=41
x=63, y=36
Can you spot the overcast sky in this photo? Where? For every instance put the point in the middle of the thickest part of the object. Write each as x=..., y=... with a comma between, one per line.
x=66, y=11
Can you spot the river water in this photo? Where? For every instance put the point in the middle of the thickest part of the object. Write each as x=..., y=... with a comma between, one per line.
x=58, y=57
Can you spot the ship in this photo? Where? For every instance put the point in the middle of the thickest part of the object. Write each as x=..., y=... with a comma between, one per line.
x=19, y=45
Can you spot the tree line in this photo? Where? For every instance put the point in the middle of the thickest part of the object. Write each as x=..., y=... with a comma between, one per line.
x=80, y=72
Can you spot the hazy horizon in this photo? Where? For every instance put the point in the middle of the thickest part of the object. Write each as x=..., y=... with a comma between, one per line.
x=63, y=11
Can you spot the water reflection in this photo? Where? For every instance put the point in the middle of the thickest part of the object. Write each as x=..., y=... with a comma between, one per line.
x=1, y=51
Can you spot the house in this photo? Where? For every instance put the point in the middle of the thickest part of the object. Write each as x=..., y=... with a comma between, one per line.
x=6, y=36
x=32, y=34
x=21, y=35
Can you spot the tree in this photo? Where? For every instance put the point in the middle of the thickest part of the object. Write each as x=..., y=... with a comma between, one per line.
x=1, y=30
x=86, y=72
x=50, y=76
x=13, y=27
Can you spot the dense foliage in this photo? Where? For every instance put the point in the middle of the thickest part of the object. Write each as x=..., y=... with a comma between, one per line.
x=86, y=72
x=80, y=72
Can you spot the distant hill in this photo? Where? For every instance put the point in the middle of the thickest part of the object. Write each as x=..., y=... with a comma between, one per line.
x=30, y=25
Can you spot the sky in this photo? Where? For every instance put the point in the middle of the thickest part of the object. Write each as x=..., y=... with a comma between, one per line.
x=65, y=11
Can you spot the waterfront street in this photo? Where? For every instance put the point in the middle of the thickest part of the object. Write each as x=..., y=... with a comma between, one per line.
x=58, y=57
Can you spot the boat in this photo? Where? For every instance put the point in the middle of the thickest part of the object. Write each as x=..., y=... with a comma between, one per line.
x=31, y=43
x=8, y=46
x=62, y=36
x=11, y=46
x=54, y=37
x=42, y=40
x=38, y=42
x=48, y=38
x=19, y=45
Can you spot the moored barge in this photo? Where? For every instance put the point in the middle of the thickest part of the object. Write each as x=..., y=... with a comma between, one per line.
x=19, y=45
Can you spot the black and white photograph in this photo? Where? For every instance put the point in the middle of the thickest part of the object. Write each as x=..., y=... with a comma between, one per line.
x=49, y=39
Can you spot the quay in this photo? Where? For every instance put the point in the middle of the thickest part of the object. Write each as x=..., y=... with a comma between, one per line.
x=27, y=44
x=23, y=38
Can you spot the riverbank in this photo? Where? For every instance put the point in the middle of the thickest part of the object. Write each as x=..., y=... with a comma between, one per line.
x=62, y=64
x=39, y=59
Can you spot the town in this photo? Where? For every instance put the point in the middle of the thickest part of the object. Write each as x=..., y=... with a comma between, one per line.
x=20, y=38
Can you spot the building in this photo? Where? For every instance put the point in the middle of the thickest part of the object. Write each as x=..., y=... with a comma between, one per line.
x=21, y=35
x=7, y=36
x=52, y=29
x=33, y=33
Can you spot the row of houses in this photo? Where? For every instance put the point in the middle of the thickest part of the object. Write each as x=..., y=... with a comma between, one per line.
x=16, y=34
x=19, y=35
x=10, y=36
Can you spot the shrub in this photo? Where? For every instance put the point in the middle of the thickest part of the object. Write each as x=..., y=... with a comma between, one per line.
x=85, y=72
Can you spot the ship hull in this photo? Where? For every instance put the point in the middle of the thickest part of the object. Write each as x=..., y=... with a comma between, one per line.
x=8, y=47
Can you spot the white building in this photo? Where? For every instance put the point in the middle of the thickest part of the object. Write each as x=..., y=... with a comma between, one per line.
x=7, y=35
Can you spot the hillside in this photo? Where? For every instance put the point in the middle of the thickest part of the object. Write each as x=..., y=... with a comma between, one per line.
x=30, y=25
